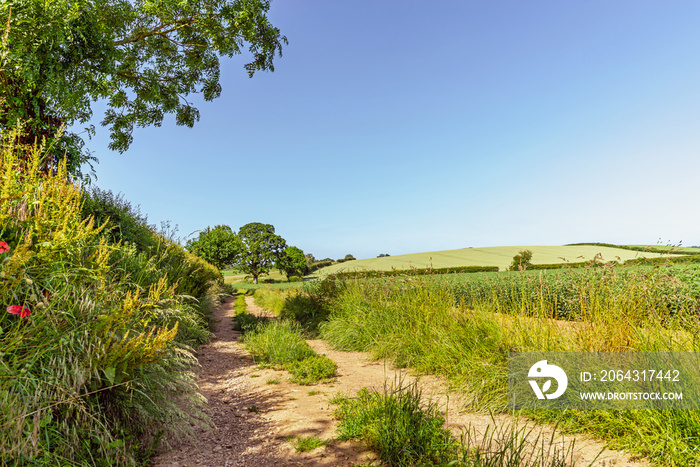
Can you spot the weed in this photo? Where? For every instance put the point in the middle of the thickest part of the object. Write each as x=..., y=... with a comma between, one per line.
x=253, y=409
x=307, y=443
x=272, y=381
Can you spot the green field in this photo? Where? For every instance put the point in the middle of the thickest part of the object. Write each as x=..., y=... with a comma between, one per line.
x=500, y=256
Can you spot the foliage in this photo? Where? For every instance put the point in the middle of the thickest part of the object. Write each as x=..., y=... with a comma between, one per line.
x=122, y=222
x=101, y=364
x=320, y=264
x=220, y=246
x=142, y=58
x=260, y=249
x=292, y=262
x=521, y=261
x=309, y=306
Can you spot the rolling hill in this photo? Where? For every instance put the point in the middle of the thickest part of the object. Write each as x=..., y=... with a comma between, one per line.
x=500, y=256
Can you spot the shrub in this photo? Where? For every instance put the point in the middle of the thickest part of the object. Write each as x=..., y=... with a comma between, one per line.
x=122, y=222
x=521, y=261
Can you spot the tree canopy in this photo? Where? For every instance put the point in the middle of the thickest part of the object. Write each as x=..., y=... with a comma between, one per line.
x=292, y=261
x=220, y=246
x=143, y=57
x=521, y=261
x=261, y=248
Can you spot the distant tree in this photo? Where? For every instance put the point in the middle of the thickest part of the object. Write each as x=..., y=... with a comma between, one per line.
x=220, y=246
x=521, y=261
x=309, y=260
x=292, y=262
x=382, y=255
x=260, y=250
x=349, y=257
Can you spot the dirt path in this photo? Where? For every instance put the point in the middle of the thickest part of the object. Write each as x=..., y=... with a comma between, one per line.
x=255, y=411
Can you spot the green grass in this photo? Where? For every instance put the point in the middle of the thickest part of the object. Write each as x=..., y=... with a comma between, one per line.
x=280, y=344
x=242, y=320
x=424, y=323
x=488, y=256
x=312, y=370
x=405, y=429
x=274, y=279
x=102, y=369
x=307, y=443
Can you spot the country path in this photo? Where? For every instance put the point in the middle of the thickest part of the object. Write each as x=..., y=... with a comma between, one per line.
x=255, y=411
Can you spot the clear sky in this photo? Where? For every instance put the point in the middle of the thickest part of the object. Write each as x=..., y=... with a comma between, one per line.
x=409, y=126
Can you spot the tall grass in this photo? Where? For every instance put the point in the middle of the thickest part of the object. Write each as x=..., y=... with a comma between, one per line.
x=406, y=429
x=102, y=367
x=426, y=324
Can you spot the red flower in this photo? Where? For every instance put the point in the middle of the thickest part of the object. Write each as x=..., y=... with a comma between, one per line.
x=4, y=247
x=21, y=311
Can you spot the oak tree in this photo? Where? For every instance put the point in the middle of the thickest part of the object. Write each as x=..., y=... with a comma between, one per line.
x=260, y=248
x=292, y=262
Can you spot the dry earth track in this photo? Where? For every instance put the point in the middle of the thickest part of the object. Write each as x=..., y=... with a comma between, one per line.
x=253, y=419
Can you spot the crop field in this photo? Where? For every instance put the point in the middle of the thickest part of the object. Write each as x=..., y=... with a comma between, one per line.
x=463, y=326
x=500, y=256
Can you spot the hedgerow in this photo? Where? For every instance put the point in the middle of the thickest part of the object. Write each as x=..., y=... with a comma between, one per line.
x=95, y=331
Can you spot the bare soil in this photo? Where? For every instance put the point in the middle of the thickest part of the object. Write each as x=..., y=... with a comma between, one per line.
x=256, y=411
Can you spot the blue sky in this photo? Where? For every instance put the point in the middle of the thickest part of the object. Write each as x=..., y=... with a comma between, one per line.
x=404, y=126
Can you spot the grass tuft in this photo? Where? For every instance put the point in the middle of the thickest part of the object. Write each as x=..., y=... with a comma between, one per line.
x=406, y=430
x=307, y=443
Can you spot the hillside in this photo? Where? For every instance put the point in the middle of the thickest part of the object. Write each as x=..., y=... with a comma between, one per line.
x=500, y=256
